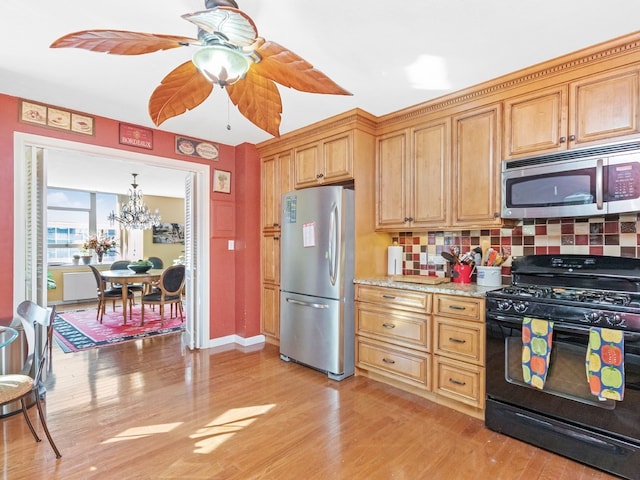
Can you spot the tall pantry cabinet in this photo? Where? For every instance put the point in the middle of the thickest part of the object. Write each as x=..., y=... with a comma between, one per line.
x=338, y=150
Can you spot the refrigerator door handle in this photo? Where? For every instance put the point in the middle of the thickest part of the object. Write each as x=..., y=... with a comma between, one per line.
x=334, y=236
x=307, y=304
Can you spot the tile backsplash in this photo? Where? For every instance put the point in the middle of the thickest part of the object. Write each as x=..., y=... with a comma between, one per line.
x=615, y=235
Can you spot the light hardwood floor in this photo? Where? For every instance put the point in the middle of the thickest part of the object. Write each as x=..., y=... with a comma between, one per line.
x=151, y=410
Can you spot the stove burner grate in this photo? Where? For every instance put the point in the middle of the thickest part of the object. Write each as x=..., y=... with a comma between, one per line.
x=569, y=294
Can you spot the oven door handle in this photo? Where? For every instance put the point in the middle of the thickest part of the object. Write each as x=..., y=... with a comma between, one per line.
x=564, y=327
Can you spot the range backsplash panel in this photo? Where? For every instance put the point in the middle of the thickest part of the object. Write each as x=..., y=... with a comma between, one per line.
x=615, y=235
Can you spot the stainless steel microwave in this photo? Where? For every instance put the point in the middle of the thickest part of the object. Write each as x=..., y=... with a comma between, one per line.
x=587, y=182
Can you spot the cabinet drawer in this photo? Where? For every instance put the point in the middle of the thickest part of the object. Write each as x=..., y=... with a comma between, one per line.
x=459, y=339
x=460, y=381
x=467, y=308
x=394, y=297
x=404, y=366
x=410, y=330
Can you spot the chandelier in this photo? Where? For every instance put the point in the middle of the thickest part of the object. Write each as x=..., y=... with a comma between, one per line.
x=135, y=215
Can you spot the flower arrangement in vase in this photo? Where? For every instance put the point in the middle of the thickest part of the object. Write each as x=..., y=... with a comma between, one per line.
x=100, y=245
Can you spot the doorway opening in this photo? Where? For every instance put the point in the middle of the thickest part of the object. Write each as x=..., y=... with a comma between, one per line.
x=30, y=173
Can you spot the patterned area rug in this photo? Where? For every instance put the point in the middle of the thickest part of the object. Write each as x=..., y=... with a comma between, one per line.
x=79, y=330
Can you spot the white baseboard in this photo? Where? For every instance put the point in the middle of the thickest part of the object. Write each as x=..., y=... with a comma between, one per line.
x=244, y=342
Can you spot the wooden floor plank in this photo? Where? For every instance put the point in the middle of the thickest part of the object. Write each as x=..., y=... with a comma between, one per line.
x=151, y=410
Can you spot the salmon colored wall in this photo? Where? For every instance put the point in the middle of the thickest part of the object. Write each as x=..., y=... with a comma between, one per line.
x=234, y=284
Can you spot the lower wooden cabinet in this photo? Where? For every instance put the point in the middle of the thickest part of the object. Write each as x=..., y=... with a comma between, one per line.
x=402, y=364
x=393, y=329
x=428, y=343
x=459, y=381
x=270, y=312
x=459, y=350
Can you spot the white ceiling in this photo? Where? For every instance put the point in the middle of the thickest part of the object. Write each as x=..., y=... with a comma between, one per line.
x=369, y=47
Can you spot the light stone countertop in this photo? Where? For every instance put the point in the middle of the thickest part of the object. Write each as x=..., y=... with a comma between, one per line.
x=450, y=288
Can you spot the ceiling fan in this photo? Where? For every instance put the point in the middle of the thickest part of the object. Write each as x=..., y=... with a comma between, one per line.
x=229, y=53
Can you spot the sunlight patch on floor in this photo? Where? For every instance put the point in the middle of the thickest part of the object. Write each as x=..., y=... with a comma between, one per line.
x=226, y=426
x=143, y=432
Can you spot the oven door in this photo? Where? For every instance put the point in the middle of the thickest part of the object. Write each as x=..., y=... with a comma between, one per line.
x=566, y=395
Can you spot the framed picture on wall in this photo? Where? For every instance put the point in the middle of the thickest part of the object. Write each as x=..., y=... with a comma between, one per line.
x=221, y=181
x=168, y=233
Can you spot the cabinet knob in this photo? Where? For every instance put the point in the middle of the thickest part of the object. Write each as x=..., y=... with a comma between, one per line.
x=563, y=139
x=320, y=175
x=572, y=138
x=408, y=219
x=276, y=238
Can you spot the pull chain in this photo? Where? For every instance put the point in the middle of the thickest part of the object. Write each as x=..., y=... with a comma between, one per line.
x=228, y=113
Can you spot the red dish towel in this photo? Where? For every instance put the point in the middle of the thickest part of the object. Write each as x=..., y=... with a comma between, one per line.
x=605, y=363
x=536, y=350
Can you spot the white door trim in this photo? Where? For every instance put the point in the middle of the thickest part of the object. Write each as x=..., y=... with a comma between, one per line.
x=202, y=179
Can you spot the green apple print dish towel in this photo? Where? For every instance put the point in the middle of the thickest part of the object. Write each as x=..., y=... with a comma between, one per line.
x=605, y=363
x=536, y=349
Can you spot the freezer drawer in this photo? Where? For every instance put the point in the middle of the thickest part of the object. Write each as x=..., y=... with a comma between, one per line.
x=315, y=331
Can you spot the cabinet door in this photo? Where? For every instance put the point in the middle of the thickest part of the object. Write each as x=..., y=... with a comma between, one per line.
x=270, y=311
x=269, y=193
x=476, y=174
x=276, y=179
x=391, y=187
x=604, y=106
x=337, y=158
x=429, y=174
x=284, y=180
x=270, y=254
x=536, y=122
x=307, y=165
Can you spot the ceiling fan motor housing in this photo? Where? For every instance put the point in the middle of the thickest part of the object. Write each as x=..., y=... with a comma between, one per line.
x=220, y=3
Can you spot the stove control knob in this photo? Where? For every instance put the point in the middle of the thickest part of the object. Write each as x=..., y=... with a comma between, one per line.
x=521, y=307
x=593, y=317
x=504, y=305
x=614, y=319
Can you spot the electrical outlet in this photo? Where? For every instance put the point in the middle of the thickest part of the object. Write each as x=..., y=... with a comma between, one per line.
x=231, y=245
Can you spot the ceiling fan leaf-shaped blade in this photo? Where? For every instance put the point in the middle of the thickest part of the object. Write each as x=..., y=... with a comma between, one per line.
x=258, y=99
x=234, y=24
x=184, y=88
x=290, y=70
x=121, y=42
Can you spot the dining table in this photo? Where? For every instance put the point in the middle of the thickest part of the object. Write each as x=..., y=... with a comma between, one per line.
x=127, y=277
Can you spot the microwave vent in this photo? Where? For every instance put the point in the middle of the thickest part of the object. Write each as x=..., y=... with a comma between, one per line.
x=601, y=151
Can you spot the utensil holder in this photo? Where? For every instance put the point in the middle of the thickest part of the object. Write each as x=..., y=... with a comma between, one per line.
x=489, y=276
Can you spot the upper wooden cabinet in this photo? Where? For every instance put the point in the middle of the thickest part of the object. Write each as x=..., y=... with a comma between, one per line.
x=476, y=168
x=329, y=160
x=412, y=177
x=596, y=109
x=277, y=178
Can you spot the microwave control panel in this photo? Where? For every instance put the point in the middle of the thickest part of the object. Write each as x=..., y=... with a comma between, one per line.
x=623, y=181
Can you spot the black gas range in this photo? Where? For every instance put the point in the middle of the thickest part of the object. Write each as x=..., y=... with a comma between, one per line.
x=588, y=290
x=578, y=294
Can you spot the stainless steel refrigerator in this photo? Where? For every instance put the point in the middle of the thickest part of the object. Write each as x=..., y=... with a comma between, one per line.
x=316, y=279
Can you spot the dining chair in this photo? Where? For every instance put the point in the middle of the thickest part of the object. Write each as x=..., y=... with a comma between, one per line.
x=105, y=294
x=157, y=262
x=22, y=387
x=168, y=291
x=31, y=310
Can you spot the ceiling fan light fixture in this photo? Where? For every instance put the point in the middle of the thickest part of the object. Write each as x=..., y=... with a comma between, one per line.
x=221, y=65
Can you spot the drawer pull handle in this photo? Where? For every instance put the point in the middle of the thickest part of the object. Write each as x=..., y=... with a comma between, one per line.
x=457, y=307
x=390, y=297
x=457, y=382
x=389, y=361
x=388, y=325
x=456, y=340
